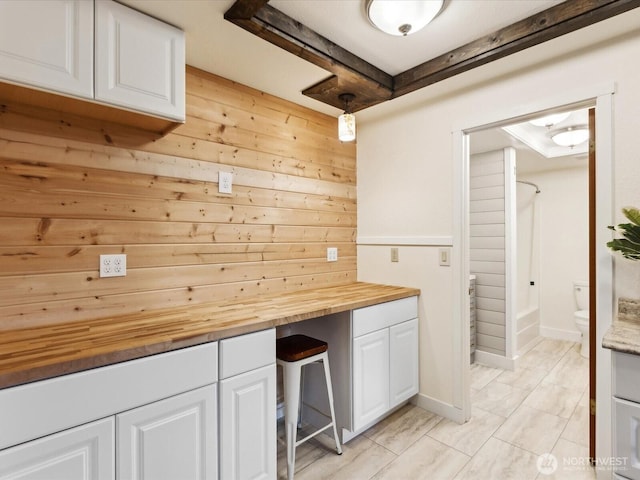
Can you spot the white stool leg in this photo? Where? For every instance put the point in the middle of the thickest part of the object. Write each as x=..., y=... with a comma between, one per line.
x=291, y=382
x=327, y=374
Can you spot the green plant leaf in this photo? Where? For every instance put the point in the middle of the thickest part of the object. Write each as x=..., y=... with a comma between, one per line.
x=630, y=231
x=629, y=246
x=633, y=214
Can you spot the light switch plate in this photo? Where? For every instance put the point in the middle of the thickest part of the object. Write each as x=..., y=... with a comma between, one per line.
x=332, y=254
x=444, y=254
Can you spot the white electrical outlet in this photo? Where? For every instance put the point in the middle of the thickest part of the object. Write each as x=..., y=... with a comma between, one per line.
x=225, y=181
x=113, y=265
x=332, y=254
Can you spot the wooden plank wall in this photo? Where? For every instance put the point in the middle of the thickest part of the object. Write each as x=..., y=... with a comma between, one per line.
x=73, y=188
x=487, y=248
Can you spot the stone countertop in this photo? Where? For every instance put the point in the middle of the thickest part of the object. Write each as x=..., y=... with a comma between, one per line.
x=624, y=334
x=48, y=351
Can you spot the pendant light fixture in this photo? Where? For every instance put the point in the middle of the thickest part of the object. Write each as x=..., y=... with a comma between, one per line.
x=347, y=121
x=571, y=136
x=402, y=17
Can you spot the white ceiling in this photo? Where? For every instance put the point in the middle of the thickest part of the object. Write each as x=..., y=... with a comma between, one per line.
x=461, y=21
x=536, y=152
x=218, y=46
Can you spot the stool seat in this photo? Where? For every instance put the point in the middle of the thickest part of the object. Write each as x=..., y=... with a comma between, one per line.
x=299, y=347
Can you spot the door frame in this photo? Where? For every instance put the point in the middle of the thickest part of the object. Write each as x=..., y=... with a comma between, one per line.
x=600, y=96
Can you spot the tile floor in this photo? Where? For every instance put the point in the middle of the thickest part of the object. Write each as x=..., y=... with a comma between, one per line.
x=517, y=416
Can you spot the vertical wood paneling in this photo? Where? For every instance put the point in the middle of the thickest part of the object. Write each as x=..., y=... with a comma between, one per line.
x=72, y=188
x=487, y=248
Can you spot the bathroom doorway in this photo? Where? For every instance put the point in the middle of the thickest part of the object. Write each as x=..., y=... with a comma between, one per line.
x=512, y=220
x=602, y=291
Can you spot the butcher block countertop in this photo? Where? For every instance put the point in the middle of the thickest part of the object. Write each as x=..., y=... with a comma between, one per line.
x=43, y=352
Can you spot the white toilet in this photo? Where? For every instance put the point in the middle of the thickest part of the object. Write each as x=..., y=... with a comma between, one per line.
x=581, y=294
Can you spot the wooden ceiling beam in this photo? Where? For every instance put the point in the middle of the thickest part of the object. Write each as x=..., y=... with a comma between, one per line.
x=554, y=22
x=371, y=85
x=279, y=29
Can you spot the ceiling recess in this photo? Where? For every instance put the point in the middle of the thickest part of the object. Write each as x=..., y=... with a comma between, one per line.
x=371, y=85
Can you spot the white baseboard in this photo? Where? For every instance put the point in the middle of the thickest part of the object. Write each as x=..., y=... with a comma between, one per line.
x=559, y=334
x=445, y=410
x=496, y=361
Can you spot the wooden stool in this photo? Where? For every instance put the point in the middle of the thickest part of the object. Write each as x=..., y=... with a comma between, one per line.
x=292, y=354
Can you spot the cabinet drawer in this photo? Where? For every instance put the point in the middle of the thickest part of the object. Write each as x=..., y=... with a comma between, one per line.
x=41, y=408
x=626, y=447
x=247, y=352
x=375, y=317
x=625, y=381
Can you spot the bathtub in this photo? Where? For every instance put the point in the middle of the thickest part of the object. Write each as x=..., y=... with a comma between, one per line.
x=527, y=328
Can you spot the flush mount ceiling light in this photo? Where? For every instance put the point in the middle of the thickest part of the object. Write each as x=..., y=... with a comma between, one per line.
x=347, y=121
x=571, y=136
x=402, y=17
x=550, y=120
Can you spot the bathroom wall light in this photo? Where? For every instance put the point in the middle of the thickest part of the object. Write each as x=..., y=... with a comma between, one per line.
x=550, y=120
x=571, y=136
x=402, y=17
x=347, y=121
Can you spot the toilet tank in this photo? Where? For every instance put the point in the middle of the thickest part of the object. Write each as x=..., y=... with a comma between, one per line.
x=581, y=294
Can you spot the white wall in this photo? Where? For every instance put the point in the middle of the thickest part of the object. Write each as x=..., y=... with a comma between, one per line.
x=405, y=165
x=563, y=209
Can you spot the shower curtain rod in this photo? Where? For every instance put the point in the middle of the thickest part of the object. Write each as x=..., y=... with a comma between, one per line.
x=530, y=183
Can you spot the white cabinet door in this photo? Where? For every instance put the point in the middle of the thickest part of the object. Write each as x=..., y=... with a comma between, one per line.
x=248, y=425
x=48, y=44
x=370, y=377
x=170, y=439
x=140, y=61
x=82, y=453
x=626, y=446
x=403, y=361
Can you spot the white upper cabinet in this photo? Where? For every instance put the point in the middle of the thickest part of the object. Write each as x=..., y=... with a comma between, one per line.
x=48, y=44
x=139, y=61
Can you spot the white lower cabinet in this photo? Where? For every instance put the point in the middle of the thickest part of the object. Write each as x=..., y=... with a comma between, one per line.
x=385, y=359
x=403, y=362
x=626, y=415
x=171, y=439
x=152, y=418
x=247, y=407
x=370, y=377
x=248, y=425
x=82, y=453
